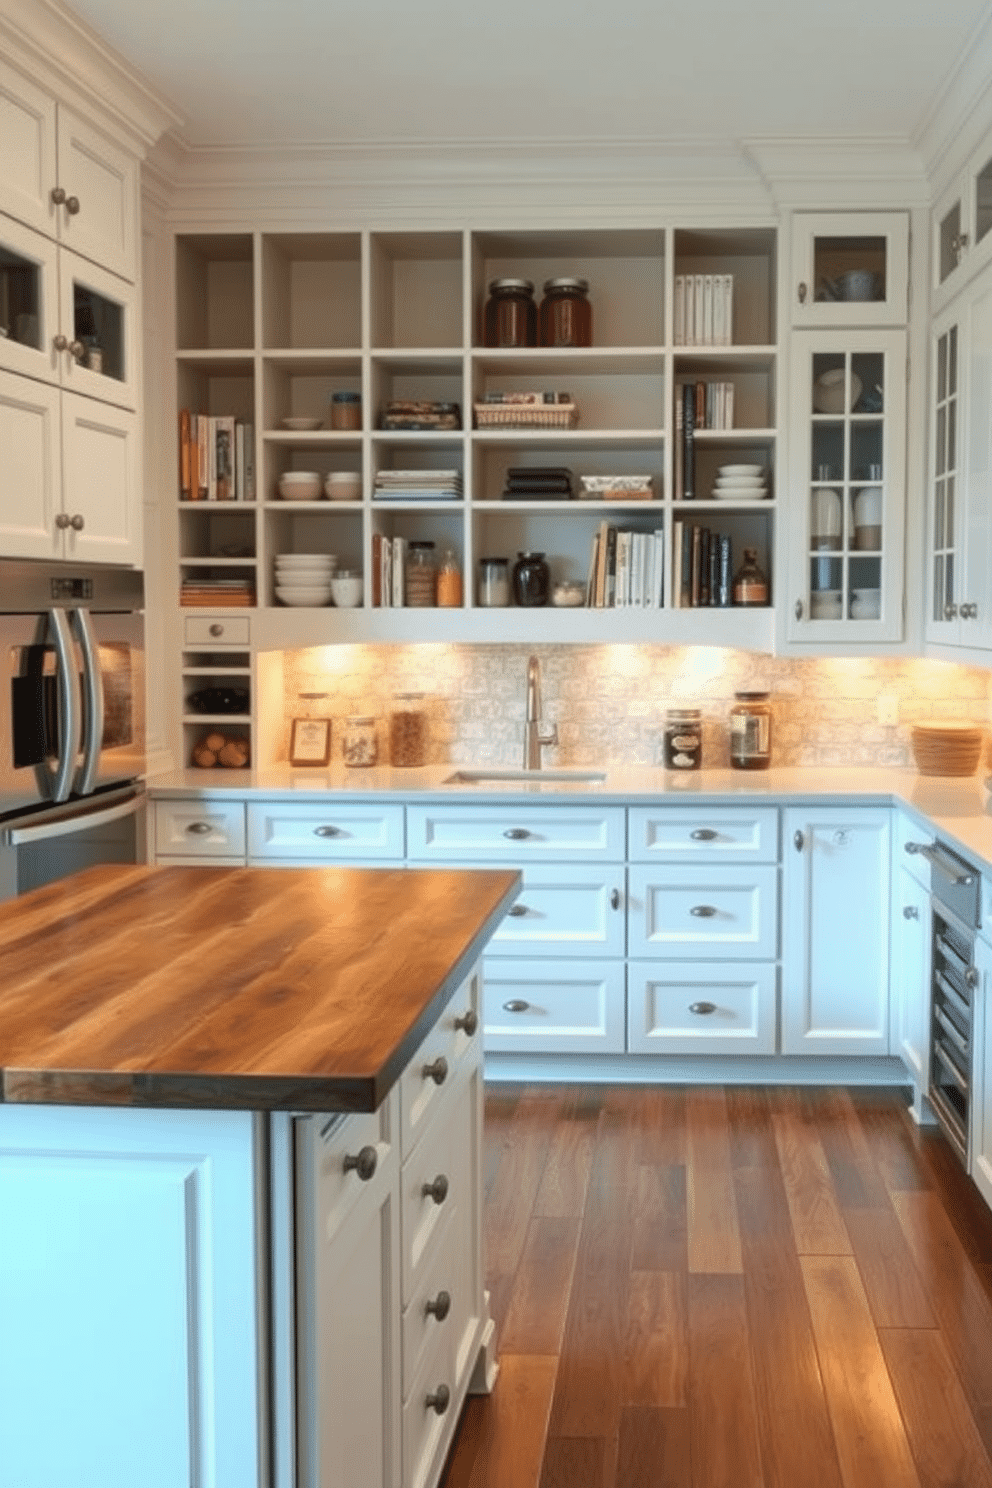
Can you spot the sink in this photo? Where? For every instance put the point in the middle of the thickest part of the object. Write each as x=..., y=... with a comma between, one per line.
x=528, y=777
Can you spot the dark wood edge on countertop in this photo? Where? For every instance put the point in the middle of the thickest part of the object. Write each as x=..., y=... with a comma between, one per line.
x=234, y=988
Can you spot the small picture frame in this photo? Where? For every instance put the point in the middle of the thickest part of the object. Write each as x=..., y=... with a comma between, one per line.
x=310, y=742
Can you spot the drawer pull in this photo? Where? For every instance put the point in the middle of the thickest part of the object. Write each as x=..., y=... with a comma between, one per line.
x=439, y=1400
x=615, y=899
x=910, y=912
x=703, y=911
x=438, y=1190
x=516, y=1005
x=327, y=832
x=216, y=630
x=517, y=834
x=199, y=829
x=468, y=1022
x=702, y=1009
x=438, y=1071
x=517, y=911
x=799, y=841
x=703, y=834
x=440, y=1307
x=362, y=1163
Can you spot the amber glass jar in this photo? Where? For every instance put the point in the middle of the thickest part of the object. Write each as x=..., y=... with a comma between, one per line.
x=449, y=581
x=510, y=316
x=750, y=582
x=566, y=314
x=750, y=731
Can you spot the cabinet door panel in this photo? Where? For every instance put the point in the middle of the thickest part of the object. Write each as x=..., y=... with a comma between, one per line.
x=703, y=834
x=95, y=304
x=829, y=248
x=570, y=911
x=910, y=1001
x=564, y=1007
x=699, y=1007
x=29, y=296
x=704, y=910
x=100, y=481
x=331, y=832
x=469, y=833
x=30, y=468
x=27, y=151
x=975, y=607
x=200, y=829
x=104, y=179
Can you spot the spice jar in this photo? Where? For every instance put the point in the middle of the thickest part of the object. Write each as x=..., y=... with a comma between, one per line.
x=531, y=580
x=750, y=731
x=346, y=410
x=750, y=583
x=360, y=747
x=683, y=739
x=449, y=582
x=420, y=575
x=408, y=730
x=494, y=583
x=510, y=316
x=566, y=314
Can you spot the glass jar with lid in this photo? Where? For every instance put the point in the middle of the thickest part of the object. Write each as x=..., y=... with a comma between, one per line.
x=683, y=739
x=566, y=315
x=750, y=582
x=408, y=730
x=360, y=746
x=346, y=410
x=449, y=581
x=420, y=575
x=510, y=315
x=750, y=731
x=531, y=580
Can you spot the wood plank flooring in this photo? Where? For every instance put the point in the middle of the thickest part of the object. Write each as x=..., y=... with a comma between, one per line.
x=729, y=1288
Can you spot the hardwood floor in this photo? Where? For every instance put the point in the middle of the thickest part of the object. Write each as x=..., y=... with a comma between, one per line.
x=729, y=1288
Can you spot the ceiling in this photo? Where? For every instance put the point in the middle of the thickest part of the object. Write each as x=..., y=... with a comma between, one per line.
x=265, y=72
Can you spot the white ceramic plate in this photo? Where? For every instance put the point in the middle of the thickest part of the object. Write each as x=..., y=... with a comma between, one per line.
x=301, y=425
x=300, y=560
x=739, y=495
x=302, y=596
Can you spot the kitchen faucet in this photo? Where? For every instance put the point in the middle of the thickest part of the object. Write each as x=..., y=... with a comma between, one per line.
x=534, y=735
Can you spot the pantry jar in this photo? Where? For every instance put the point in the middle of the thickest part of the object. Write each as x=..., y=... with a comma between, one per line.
x=531, y=580
x=750, y=582
x=510, y=315
x=449, y=582
x=408, y=730
x=750, y=731
x=360, y=747
x=346, y=410
x=494, y=583
x=683, y=739
x=420, y=575
x=566, y=314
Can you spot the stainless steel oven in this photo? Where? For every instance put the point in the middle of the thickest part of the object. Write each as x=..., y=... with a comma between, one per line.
x=72, y=720
x=955, y=896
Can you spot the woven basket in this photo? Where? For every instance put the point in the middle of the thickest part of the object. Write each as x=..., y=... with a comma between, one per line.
x=526, y=416
x=947, y=748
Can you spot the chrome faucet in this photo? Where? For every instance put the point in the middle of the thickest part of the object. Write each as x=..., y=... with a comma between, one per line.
x=534, y=734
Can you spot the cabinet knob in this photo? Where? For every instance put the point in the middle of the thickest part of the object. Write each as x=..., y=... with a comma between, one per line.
x=438, y=1190
x=327, y=831
x=72, y=205
x=703, y=911
x=77, y=523
x=950, y=610
x=702, y=1009
x=58, y=196
x=216, y=630
x=363, y=1163
x=803, y=292
x=516, y=1005
x=439, y=1307
x=972, y=977
x=799, y=609
x=439, y=1400
x=703, y=834
x=438, y=1071
x=969, y=612
x=615, y=899
x=468, y=1022
x=198, y=828
x=60, y=342
x=959, y=243
x=62, y=520
x=516, y=834
x=517, y=911
x=910, y=912
x=78, y=350
x=799, y=841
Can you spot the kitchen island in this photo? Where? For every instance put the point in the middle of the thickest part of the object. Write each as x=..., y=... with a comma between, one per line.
x=200, y=1282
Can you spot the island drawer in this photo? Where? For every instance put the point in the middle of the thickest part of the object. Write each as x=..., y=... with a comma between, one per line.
x=698, y=1007
x=201, y=630
x=730, y=911
x=331, y=833
x=337, y=1157
x=692, y=834
x=467, y=833
x=567, y=910
x=451, y=1046
x=199, y=829
x=555, y=1007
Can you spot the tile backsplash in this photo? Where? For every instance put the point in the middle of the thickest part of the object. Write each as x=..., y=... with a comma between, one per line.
x=609, y=701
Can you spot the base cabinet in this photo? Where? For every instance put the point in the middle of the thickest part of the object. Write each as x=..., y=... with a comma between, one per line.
x=700, y=1007
x=910, y=1001
x=981, y=1129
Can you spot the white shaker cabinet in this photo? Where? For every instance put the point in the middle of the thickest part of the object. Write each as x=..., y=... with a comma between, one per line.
x=835, y=930
x=981, y=1129
x=911, y=950
x=850, y=268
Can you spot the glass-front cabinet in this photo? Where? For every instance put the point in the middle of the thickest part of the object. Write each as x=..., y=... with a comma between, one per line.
x=961, y=242
x=847, y=487
x=850, y=269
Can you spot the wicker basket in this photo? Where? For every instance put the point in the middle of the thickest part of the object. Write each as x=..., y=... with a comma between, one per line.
x=526, y=416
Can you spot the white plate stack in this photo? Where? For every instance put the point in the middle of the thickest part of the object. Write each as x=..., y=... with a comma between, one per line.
x=740, y=483
x=304, y=578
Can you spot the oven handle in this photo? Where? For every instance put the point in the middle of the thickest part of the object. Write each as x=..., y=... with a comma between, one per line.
x=68, y=686
x=93, y=687
x=81, y=821
x=942, y=862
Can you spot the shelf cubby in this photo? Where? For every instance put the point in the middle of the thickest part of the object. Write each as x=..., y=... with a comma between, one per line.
x=215, y=292
x=311, y=291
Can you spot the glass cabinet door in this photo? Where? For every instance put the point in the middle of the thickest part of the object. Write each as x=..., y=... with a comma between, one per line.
x=96, y=325
x=849, y=423
x=28, y=301
x=850, y=268
x=945, y=557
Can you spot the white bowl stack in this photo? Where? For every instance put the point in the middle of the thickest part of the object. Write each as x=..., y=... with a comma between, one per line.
x=740, y=483
x=304, y=578
x=301, y=485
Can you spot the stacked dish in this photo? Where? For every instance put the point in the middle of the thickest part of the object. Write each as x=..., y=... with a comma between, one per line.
x=740, y=483
x=300, y=485
x=947, y=748
x=304, y=578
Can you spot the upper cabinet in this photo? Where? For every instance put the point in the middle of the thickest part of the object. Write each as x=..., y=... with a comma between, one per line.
x=961, y=228
x=64, y=178
x=850, y=269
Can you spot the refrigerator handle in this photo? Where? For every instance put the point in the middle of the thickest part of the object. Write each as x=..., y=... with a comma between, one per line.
x=94, y=713
x=69, y=705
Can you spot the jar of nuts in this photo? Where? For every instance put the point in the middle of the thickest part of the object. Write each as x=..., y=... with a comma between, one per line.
x=360, y=748
x=408, y=730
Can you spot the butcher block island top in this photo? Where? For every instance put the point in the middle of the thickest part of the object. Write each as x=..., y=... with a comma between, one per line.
x=233, y=988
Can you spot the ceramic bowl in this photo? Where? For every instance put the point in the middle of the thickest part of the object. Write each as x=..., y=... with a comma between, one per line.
x=738, y=470
x=826, y=604
x=300, y=485
x=306, y=560
x=343, y=485
x=858, y=284
x=568, y=595
x=346, y=590
x=301, y=425
x=828, y=392
x=299, y=595
x=866, y=604
x=304, y=578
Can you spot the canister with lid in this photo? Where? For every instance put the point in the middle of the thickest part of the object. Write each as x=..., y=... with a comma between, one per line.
x=360, y=746
x=420, y=575
x=346, y=410
x=494, y=583
x=408, y=730
x=683, y=739
x=566, y=315
x=750, y=731
x=510, y=315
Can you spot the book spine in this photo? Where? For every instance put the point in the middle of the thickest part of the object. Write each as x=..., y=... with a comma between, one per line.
x=399, y=562
x=685, y=567
x=376, y=570
x=729, y=410
x=658, y=592
x=224, y=456
x=728, y=310
x=623, y=570
x=678, y=454
x=707, y=309
x=688, y=447
x=713, y=585
x=704, y=567
x=700, y=411
x=203, y=465
x=610, y=595
x=184, y=433
x=678, y=311
x=697, y=309
x=676, y=589
x=695, y=572
x=593, y=569
x=725, y=578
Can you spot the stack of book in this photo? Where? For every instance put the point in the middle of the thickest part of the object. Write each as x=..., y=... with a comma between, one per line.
x=417, y=485
x=704, y=309
x=412, y=413
x=388, y=570
x=702, y=563
x=698, y=405
x=626, y=569
x=221, y=592
x=216, y=457
x=538, y=483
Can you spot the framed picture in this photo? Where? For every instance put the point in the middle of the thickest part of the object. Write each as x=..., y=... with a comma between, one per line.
x=310, y=743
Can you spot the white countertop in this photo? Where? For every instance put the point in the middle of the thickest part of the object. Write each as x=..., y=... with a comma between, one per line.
x=955, y=808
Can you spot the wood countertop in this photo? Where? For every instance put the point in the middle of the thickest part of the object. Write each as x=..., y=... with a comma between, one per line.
x=233, y=988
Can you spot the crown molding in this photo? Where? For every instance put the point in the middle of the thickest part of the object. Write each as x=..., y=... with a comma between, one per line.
x=840, y=173
x=961, y=113
x=45, y=39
